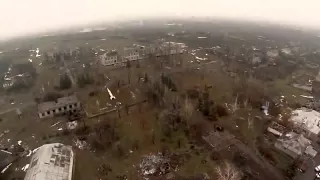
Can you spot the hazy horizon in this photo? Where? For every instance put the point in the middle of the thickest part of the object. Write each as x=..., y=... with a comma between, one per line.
x=20, y=18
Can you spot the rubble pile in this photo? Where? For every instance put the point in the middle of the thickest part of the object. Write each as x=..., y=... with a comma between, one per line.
x=154, y=165
x=157, y=165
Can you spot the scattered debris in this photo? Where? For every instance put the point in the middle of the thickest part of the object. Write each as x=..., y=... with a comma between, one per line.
x=72, y=125
x=80, y=144
x=154, y=164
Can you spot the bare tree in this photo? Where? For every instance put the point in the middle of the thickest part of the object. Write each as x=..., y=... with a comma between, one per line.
x=128, y=65
x=228, y=171
x=187, y=110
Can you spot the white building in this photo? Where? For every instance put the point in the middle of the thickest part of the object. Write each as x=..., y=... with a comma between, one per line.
x=307, y=119
x=64, y=105
x=131, y=54
x=109, y=58
x=168, y=48
x=51, y=162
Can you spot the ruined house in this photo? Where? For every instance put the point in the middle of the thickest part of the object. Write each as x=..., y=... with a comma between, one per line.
x=61, y=106
x=109, y=58
x=295, y=145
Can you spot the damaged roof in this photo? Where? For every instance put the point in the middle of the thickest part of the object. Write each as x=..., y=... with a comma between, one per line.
x=50, y=105
x=51, y=162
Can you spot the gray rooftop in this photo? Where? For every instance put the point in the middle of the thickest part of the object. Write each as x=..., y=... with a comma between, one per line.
x=46, y=106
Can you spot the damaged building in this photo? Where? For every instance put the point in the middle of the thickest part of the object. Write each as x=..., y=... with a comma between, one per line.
x=109, y=58
x=295, y=145
x=51, y=162
x=132, y=54
x=307, y=120
x=166, y=48
x=61, y=106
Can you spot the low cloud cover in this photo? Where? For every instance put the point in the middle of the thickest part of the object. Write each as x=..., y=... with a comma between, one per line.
x=21, y=17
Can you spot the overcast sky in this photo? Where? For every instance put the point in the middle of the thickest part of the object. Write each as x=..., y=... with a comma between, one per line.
x=19, y=17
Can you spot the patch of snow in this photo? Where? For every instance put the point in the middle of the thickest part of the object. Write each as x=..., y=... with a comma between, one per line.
x=35, y=150
x=29, y=154
x=37, y=51
x=202, y=37
x=30, y=60
x=308, y=97
x=60, y=129
x=102, y=39
x=110, y=94
x=6, y=151
x=55, y=124
x=19, y=142
x=7, y=167
x=25, y=168
x=201, y=59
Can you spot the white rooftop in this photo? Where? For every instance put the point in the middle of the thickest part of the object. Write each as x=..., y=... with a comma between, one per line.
x=51, y=162
x=306, y=118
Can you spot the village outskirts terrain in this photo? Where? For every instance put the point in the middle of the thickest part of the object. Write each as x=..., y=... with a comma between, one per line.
x=161, y=100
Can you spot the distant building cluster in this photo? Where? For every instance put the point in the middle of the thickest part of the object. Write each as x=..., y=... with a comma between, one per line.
x=114, y=57
x=18, y=75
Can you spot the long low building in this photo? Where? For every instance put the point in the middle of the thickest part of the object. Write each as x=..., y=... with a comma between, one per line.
x=51, y=162
x=69, y=104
